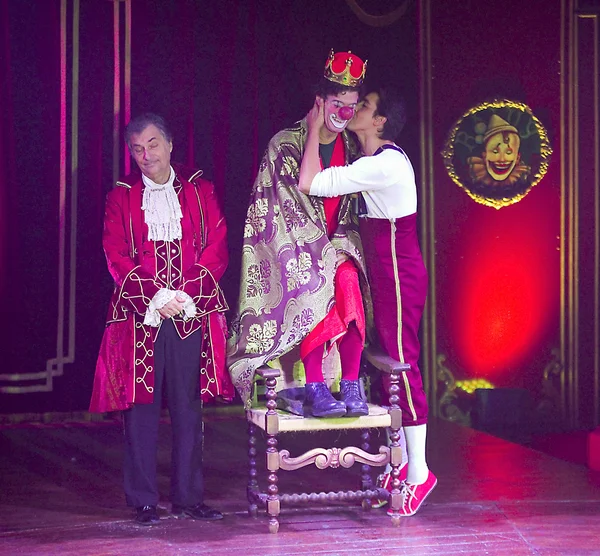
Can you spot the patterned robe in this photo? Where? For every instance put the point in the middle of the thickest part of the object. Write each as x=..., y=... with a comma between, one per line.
x=288, y=261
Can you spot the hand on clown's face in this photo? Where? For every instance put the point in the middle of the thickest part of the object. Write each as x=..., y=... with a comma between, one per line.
x=315, y=118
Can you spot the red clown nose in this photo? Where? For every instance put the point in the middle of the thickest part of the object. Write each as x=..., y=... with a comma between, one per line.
x=345, y=112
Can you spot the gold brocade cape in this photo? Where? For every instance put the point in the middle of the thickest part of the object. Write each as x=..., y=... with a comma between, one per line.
x=288, y=262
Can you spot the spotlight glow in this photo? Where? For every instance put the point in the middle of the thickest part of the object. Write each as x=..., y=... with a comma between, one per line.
x=506, y=293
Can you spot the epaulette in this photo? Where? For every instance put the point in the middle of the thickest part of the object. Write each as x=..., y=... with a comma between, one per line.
x=123, y=184
x=195, y=175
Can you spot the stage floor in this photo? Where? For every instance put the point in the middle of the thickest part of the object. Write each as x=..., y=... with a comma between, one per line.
x=60, y=493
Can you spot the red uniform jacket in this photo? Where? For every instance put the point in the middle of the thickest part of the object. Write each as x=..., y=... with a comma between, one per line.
x=140, y=268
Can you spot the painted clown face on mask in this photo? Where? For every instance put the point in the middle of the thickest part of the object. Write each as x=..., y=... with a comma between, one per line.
x=501, y=154
x=339, y=110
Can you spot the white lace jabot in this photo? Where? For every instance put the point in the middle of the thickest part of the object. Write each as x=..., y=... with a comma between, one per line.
x=162, y=211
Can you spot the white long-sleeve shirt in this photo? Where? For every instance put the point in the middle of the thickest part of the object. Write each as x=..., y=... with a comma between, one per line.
x=387, y=181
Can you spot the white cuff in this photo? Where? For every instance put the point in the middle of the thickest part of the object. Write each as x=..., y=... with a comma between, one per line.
x=189, y=307
x=160, y=299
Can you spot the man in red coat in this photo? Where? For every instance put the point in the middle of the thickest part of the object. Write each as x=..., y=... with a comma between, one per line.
x=165, y=242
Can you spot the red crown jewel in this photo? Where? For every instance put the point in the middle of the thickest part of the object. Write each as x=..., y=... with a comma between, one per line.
x=345, y=68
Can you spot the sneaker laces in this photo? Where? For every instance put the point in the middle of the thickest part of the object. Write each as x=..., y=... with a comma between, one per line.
x=408, y=493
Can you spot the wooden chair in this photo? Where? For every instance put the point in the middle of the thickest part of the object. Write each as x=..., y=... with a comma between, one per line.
x=275, y=422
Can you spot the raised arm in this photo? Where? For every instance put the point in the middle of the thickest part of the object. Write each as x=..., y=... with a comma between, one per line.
x=368, y=173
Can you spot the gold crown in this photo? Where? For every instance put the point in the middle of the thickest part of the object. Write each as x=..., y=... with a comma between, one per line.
x=345, y=68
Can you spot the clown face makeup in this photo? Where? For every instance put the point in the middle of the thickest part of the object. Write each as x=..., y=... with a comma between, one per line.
x=339, y=110
x=501, y=154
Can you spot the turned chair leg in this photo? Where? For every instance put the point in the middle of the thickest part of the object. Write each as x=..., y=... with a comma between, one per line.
x=252, y=490
x=395, y=448
x=273, y=504
x=272, y=430
x=366, y=470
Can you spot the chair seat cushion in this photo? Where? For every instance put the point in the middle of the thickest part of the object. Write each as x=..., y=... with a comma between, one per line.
x=378, y=417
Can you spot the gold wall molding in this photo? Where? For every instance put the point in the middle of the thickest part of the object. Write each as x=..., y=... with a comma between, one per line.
x=579, y=34
x=42, y=381
x=447, y=407
x=561, y=380
x=587, y=33
x=552, y=403
x=68, y=184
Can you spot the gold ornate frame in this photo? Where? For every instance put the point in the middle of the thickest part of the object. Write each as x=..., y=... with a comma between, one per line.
x=485, y=195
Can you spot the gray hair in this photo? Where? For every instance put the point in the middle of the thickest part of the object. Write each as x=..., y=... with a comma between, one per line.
x=140, y=123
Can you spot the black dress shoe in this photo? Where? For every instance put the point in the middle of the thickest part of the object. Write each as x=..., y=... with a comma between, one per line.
x=319, y=402
x=146, y=515
x=351, y=396
x=198, y=511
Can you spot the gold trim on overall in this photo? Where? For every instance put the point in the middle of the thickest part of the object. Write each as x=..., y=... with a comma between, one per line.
x=399, y=318
x=397, y=288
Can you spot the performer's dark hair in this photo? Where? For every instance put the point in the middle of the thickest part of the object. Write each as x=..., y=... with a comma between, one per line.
x=391, y=105
x=324, y=87
x=139, y=123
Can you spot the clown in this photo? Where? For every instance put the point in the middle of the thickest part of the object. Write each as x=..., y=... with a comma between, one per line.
x=500, y=161
x=302, y=262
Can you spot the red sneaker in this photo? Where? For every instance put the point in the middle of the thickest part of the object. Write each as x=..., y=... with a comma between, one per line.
x=385, y=481
x=414, y=495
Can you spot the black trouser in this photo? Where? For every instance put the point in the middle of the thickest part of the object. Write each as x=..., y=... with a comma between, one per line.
x=177, y=367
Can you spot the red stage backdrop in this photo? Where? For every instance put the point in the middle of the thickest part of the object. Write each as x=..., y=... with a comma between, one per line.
x=508, y=299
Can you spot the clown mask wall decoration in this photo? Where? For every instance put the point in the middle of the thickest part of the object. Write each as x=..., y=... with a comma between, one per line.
x=497, y=152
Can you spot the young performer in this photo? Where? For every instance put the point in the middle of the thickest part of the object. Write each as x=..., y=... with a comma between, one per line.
x=397, y=275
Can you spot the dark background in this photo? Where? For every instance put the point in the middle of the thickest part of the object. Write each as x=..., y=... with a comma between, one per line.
x=226, y=75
